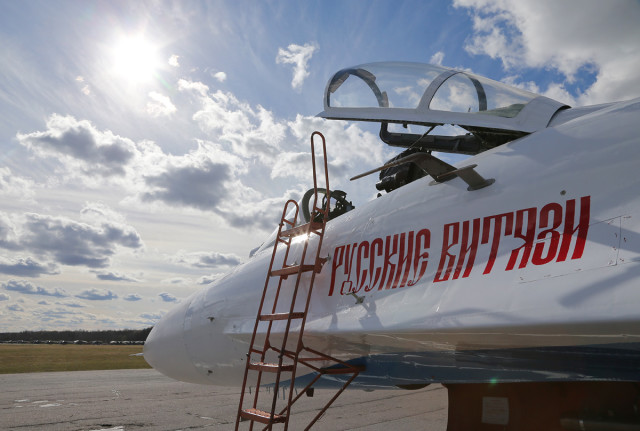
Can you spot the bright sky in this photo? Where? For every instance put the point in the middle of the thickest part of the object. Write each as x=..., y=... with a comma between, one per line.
x=147, y=147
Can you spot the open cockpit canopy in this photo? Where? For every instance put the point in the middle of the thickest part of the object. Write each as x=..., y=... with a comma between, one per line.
x=432, y=95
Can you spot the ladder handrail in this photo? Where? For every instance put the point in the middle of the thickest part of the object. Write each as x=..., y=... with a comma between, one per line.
x=317, y=211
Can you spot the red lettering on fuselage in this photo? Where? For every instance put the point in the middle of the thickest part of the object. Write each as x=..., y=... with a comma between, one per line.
x=384, y=263
x=545, y=238
x=554, y=233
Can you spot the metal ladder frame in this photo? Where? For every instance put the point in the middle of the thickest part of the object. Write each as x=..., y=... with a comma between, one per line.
x=286, y=237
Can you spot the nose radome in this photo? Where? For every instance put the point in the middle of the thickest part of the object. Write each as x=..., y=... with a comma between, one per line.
x=165, y=348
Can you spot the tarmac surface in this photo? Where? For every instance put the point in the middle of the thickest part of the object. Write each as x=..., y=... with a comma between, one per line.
x=126, y=400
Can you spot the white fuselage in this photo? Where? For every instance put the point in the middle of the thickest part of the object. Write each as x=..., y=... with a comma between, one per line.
x=547, y=257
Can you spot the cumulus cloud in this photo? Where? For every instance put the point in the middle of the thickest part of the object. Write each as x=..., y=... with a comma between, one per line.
x=4, y=297
x=252, y=132
x=14, y=307
x=203, y=186
x=196, y=87
x=207, y=259
x=71, y=304
x=289, y=165
x=27, y=267
x=167, y=297
x=114, y=276
x=220, y=76
x=97, y=295
x=213, y=177
x=30, y=289
x=97, y=213
x=132, y=297
x=80, y=144
x=173, y=61
x=14, y=187
x=566, y=36
x=63, y=240
x=8, y=233
x=299, y=56
x=364, y=147
x=160, y=105
x=73, y=243
x=437, y=58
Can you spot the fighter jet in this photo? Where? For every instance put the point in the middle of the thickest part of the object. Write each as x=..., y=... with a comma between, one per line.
x=512, y=276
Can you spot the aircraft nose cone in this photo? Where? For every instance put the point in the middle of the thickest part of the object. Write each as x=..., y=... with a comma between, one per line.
x=165, y=348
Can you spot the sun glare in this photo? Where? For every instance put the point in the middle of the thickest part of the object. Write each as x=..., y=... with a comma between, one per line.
x=135, y=59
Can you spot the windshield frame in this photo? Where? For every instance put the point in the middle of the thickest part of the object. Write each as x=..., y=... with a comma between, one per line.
x=534, y=115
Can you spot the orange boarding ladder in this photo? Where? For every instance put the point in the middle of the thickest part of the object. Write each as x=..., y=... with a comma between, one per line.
x=276, y=358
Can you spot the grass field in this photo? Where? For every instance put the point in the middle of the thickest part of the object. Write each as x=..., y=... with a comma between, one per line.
x=33, y=358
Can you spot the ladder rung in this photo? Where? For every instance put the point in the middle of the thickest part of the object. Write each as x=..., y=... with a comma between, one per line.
x=302, y=229
x=290, y=270
x=262, y=417
x=282, y=316
x=270, y=367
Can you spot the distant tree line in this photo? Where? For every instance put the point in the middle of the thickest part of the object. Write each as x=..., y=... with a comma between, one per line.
x=104, y=336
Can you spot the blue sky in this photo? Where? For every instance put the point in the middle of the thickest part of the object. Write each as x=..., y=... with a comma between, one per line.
x=147, y=147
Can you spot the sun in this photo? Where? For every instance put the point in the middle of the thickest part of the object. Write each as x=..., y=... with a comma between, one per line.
x=135, y=59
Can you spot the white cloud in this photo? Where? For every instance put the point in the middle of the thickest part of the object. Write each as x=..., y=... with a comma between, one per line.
x=207, y=259
x=564, y=35
x=220, y=76
x=29, y=289
x=114, y=276
x=437, y=58
x=4, y=297
x=201, y=179
x=363, y=147
x=71, y=304
x=167, y=297
x=81, y=145
x=160, y=105
x=252, y=132
x=97, y=295
x=84, y=88
x=14, y=307
x=197, y=87
x=26, y=267
x=66, y=241
x=132, y=297
x=289, y=165
x=97, y=213
x=14, y=187
x=173, y=61
x=299, y=56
